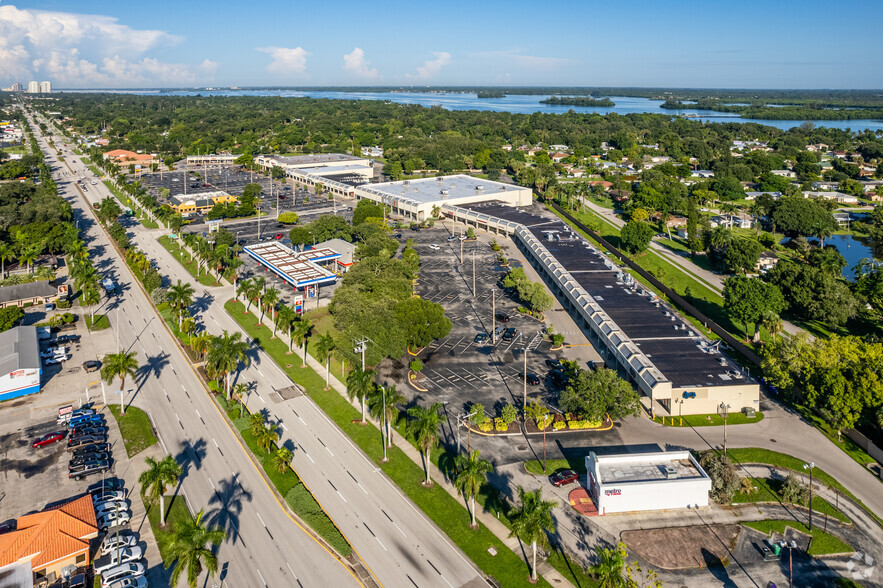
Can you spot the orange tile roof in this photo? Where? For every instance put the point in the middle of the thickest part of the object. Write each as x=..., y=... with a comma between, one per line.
x=50, y=535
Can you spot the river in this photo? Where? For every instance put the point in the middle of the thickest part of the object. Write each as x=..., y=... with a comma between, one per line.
x=517, y=103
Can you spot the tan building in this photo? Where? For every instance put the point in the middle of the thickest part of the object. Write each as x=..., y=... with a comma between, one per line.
x=123, y=157
x=53, y=539
x=200, y=203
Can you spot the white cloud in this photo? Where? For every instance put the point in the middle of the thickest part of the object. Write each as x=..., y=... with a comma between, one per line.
x=517, y=58
x=356, y=63
x=433, y=66
x=286, y=60
x=79, y=50
x=209, y=67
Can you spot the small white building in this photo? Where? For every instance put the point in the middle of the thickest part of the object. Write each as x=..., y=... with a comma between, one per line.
x=20, y=366
x=646, y=481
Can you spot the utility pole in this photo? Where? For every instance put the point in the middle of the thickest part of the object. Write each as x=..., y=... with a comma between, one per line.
x=524, y=405
x=493, y=316
x=809, y=466
x=384, y=432
x=725, y=407
x=461, y=250
x=473, y=274
x=361, y=347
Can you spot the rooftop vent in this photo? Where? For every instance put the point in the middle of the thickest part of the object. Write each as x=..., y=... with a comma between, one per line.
x=479, y=188
x=722, y=361
x=445, y=192
x=670, y=472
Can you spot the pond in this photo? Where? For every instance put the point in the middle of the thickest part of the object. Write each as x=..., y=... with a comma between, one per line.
x=851, y=248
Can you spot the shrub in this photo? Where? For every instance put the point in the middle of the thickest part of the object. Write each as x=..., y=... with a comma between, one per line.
x=500, y=424
x=288, y=218
x=794, y=491
x=478, y=415
x=64, y=304
x=470, y=233
x=545, y=422
x=559, y=425
x=509, y=414
x=584, y=424
x=487, y=425
x=724, y=479
x=416, y=365
x=159, y=296
x=69, y=318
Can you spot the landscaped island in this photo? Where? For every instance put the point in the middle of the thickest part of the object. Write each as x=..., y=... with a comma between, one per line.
x=578, y=101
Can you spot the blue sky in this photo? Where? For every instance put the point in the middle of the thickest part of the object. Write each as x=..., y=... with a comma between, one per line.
x=163, y=43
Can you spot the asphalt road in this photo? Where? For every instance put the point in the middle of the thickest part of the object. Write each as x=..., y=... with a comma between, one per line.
x=393, y=538
x=264, y=546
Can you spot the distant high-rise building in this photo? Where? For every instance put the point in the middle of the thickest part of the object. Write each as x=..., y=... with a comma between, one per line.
x=15, y=87
x=33, y=87
x=46, y=87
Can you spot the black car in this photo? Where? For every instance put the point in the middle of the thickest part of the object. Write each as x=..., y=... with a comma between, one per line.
x=532, y=379
x=90, y=450
x=481, y=338
x=89, y=430
x=88, y=458
x=107, y=485
x=558, y=377
x=502, y=317
x=67, y=339
x=554, y=364
x=92, y=365
x=85, y=440
x=510, y=334
x=96, y=467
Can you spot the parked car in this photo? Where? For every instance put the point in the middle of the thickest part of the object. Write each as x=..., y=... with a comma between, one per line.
x=278, y=236
x=133, y=553
x=510, y=334
x=67, y=339
x=113, y=519
x=554, y=364
x=558, y=377
x=111, y=506
x=86, y=418
x=480, y=338
x=108, y=495
x=92, y=365
x=532, y=379
x=563, y=478
x=88, y=457
x=122, y=571
x=80, y=472
x=451, y=238
x=502, y=317
x=56, y=359
x=85, y=440
x=434, y=247
x=129, y=582
x=48, y=439
x=499, y=331
x=82, y=411
x=91, y=430
x=106, y=485
x=49, y=307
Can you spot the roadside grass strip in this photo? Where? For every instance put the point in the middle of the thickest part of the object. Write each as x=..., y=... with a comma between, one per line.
x=451, y=516
x=177, y=511
x=183, y=257
x=135, y=428
x=101, y=322
x=770, y=491
x=710, y=420
x=822, y=543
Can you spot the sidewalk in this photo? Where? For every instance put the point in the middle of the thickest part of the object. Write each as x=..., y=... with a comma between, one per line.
x=495, y=526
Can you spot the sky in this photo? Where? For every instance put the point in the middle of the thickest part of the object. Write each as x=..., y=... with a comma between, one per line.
x=677, y=43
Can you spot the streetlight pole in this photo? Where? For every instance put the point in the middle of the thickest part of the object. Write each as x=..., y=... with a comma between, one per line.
x=473, y=274
x=383, y=425
x=493, y=317
x=524, y=403
x=809, y=466
x=725, y=408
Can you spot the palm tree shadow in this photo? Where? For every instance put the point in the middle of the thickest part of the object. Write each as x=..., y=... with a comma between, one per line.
x=202, y=302
x=227, y=503
x=152, y=367
x=190, y=457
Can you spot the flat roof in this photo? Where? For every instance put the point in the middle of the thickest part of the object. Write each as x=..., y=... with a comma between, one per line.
x=312, y=158
x=319, y=254
x=336, y=169
x=681, y=353
x=290, y=266
x=19, y=350
x=427, y=190
x=646, y=467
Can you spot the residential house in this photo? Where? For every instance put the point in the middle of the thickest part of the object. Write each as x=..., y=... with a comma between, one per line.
x=784, y=173
x=702, y=173
x=818, y=147
x=825, y=185
x=506, y=147
x=372, y=151
x=603, y=183
x=753, y=195
x=742, y=221
x=559, y=148
x=39, y=292
x=619, y=195
x=559, y=156
x=840, y=197
x=53, y=539
x=842, y=218
x=871, y=185
x=766, y=262
x=123, y=157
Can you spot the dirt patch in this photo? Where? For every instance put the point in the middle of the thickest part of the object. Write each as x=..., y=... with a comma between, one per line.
x=675, y=548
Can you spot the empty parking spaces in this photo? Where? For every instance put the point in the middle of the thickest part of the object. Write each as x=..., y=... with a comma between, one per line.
x=473, y=363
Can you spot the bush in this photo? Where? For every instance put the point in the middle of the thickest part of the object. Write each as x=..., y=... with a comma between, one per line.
x=725, y=482
x=69, y=318
x=470, y=233
x=559, y=425
x=478, y=415
x=288, y=218
x=500, y=424
x=487, y=425
x=416, y=365
x=159, y=296
x=509, y=414
x=794, y=491
x=583, y=424
x=63, y=304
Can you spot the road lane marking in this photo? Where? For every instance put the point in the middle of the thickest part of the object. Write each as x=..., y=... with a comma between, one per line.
x=262, y=578
x=284, y=427
x=400, y=531
x=221, y=452
x=212, y=483
x=261, y=399
x=259, y=371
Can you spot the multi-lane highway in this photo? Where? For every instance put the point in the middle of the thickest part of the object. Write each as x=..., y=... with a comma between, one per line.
x=393, y=539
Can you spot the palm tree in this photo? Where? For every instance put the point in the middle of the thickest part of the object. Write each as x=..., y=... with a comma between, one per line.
x=270, y=298
x=242, y=289
x=240, y=394
x=257, y=421
x=301, y=333
x=224, y=355
x=531, y=520
x=324, y=349
x=608, y=569
x=29, y=255
x=282, y=459
x=233, y=264
x=189, y=548
x=156, y=478
x=284, y=318
x=119, y=365
x=360, y=384
x=180, y=297
x=6, y=253
x=772, y=322
x=254, y=292
x=386, y=399
x=424, y=428
x=201, y=342
x=267, y=437
x=472, y=473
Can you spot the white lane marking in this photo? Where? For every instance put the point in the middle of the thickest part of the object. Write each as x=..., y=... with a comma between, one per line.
x=213, y=320
x=304, y=449
x=182, y=387
x=329, y=451
x=400, y=531
x=290, y=570
x=262, y=520
x=284, y=427
x=259, y=371
x=262, y=577
x=212, y=483
x=341, y=496
x=261, y=399
x=385, y=549
x=197, y=413
x=216, y=445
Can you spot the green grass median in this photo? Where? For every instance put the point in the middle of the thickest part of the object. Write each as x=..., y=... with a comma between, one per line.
x=177, y=511
x=822, y=543
x=447, y=512
x=135, y=428
x=100, y=323
x=190, y=265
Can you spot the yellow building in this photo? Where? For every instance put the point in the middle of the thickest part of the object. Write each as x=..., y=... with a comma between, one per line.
x=200, y=203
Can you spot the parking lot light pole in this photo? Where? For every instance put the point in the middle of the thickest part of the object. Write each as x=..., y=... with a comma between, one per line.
x=809, y=466
x=469, y=432
x=524, y=404
x=493, y=316
x=473, y=274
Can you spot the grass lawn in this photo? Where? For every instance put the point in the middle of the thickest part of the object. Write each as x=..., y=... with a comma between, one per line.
x=709, y=420
x=148, y=222
x=770, y=491
x=324, y=323
x=95, y=170
x=822, y=543
x=447, y=512
x=184, y=258
x=176, y=510
x=783, y=460
x=134, y=427
x=101, y=322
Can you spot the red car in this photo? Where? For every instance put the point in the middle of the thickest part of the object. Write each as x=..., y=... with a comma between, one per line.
x=278, y=235
x=48, y=439
x=564, y=478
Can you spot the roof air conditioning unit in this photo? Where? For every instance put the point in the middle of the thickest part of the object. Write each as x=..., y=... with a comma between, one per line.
x=479, y=188
x=445, y=192
x=670, y=472
x=722, y=361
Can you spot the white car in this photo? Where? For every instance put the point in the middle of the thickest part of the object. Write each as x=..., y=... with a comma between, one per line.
x=113, y=541
x=113, y=519
x=56, y=359
x=128, y=582
x=111, y=495
x=434, y=247
x=111, y=506
x=94, y=183
x=120, y=572
x=53, y=351
x=132, y=553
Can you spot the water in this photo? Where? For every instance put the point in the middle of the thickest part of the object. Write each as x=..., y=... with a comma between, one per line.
x=850, y=248
x=517, y=103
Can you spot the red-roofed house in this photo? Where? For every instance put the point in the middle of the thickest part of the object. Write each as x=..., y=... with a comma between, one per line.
x=559, y=156
x=123, y=157
x=52, y=539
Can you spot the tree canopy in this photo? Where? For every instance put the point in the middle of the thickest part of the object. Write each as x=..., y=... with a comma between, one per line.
x=596, y=393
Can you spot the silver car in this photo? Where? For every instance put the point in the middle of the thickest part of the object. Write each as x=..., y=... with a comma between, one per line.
x=120, y=572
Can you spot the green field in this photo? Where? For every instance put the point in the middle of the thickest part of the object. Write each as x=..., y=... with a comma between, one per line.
x=134, y=427
x=822, y=543
x=447, y=512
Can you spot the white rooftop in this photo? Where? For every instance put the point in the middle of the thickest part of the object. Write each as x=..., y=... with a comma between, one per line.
x=646, y=467
x=426, y=190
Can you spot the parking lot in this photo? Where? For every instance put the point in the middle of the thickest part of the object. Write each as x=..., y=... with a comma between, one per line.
x=457, y=369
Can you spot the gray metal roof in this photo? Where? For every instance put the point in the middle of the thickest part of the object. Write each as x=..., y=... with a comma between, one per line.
x=41, y=288
x=19, y=350
x=426, y=190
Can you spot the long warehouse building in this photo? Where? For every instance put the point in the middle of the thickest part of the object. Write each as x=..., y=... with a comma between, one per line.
x=635, y=332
